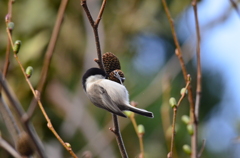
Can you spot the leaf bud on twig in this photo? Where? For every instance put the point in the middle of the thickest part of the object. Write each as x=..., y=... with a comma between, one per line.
x=29, y=71
x=190, y=129
x=172, y=102
x=68, y=145
x=183, y=91
x=17, y=46
x=141, y=129
x=187, y=149
x=7, y=18
x=24, y=146
x=10, y=26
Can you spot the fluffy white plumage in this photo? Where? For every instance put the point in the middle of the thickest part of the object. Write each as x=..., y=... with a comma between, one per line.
x=108, y=94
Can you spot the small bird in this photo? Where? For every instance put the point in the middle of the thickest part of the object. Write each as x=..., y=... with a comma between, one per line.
x=107, y=94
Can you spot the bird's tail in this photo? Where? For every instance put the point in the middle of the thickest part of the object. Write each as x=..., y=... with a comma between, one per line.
x=140, y=111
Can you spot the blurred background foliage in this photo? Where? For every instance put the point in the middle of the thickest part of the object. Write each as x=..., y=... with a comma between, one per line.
x=138, y=32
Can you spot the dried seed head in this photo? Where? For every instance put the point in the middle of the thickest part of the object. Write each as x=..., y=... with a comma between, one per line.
x=110, y=62
x=24, y=146
x=117, y=76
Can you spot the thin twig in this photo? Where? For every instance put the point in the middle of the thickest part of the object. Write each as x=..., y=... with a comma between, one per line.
x=9, y=120
x=199, y=80
x=202, y=148
x=95, y=29
x=133, y=120
x=8, y=19
x=4, y=144
x=140, y=135
x=170, y=154
x=116, y=131
x=175, y=108
x=235, y=6
x=99, y=17
x=199, y=71
x=49, y=124
x=36, y=95
x=51, y=46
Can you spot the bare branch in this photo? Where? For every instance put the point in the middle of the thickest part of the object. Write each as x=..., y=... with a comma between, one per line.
x=202, y=148
x=235, y=6
x=116, y=131
x=52, y=43
x=8, y=19
x=48, y=55
x=36, y=95
x=4, y=144
x=9, y=120
x=199, y=80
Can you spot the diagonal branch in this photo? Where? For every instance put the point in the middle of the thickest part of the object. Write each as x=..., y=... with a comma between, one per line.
x=51, y=46
x=49, y=54
x=235, y=6
x=9, y=120
x=4, y=144
x=36, y=95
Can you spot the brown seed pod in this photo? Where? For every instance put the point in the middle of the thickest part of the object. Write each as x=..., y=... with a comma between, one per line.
x=110, y=62
x=117, y=75
x=24, y=146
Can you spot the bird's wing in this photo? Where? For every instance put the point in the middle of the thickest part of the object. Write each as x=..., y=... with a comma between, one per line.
x=104, y=100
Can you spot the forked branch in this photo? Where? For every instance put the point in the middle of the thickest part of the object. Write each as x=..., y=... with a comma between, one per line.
x=94, y=25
